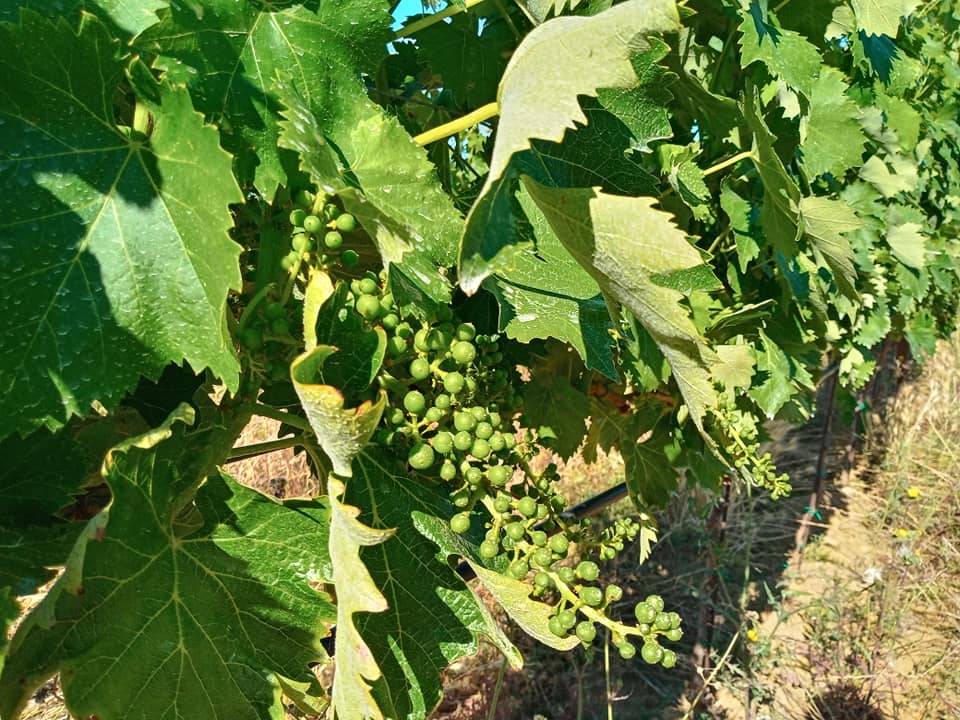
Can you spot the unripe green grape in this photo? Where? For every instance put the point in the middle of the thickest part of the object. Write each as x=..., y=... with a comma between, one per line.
x=479, y=413
x=404, y=330
x=395, y=416
x=567, y=574
x=419, y=369
x=556, y=627
x=498, y=475
x=396, y=345
x=251, y=338
x=489, y=549
x=494, y=419
x=420, y=340
x=588, y=570
x=330, y=212
x=443, y=442
x=539, y=538
x=464, y=353
x=480, y=449
x=559, y=544
x=369, y=307
x=541, y=558
x=509, y=441
x=626, y=649
x=438, y=340
x=527, y=506
x=448, y=471
x=607, y=553
x=586, y=632
x=442, y=401
x=656, y=602
x=662, y=621
x=297, y=217
x=592, y=596
x=669, y=659
x=346, y=222
x=644, y=629
x=516, y=530
x=433, y=415
x=466, y=331
x=387, y=300
x=312, y=224
x=415, y=402
x=473, y=475
x=460, y=523
x=471, y=384
x=501, y=503
x=484, y=430
x=542, y=580
x=675, y=620
x=518, y=569
x=463, y=441
x=461, y=498
x=651, y=653
x=464, y=421
x=349, y=258
x=274, y=311
x=497, y=443
x=421, y=456
x=613, y=593
x=301, y=242
x=304, y=198
x=673, y=634
x=280, y=326
x=567, y=618
x=644, y=613
x=369, y=286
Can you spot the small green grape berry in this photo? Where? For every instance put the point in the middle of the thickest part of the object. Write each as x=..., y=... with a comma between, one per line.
x=489, y=549
x=466, y=332
x=420, y=340
x=516, y=530
x=464, y=353
x=297, y=217
x=480, y=449
x=443, y=442
x=346, y=222
x=644, y=613
x=607, y=553
x=586, y=632
x=464, y=421
x=280, y=326
x=556, y=627
x=567, y=574
x=304, y=198
x=349, y=258
x=673, y=634
x=463, y=441
x=541, y=558
x=330, y=212
x=527, y=506
x=396, y=345
x=368, y=286
x=626, y=649
x=390, y=320
x=369, y=307
x=473, y=475
x=567, y=618
x=613, y=593
x=454, y=382
x=414, y=402
x=479, y=413
x=460, y=523
x=669, y=659
x=301, y=242
x=518, y=569
x=395, y=416
x=442, y=401
x=448, y=471
x=559, y=544
x=484, y=430
x=433, y=415
x=592, y=596
x=542, y=580
x=662, y=621
x=501, y=503
x=274, y=311
x=251, y=338
x=419, y=369
x=656, y=602
x=539, y=538
x=651, y=653
x=675, y=620
x=312, y=224
x=498, y=475
x=421, y=456
x=588, y=570
x=333, y=240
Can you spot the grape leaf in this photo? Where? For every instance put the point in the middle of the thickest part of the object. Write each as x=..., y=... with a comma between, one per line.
x=831, y=140
x=644, y=438
x=129, y=16
x=558, y=411
x=114, y=255
x=889, y=181
x=433, y=618
x=556, y=63
x=230, y=53
x=787, y=54
x=632, y=250
x=540, y=10
x=546, y=293
x=908, y=244
x=825, y=221
x=192, y=581
x=743, y=217
x=782, y=376
x=882, y=17
x=356, y=593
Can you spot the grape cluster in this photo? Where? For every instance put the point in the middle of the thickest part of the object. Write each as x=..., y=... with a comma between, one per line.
x=319, y=228
x=452, y=416
x=740, y=441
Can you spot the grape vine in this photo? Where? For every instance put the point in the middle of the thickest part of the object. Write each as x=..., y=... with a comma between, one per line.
x=446, y=252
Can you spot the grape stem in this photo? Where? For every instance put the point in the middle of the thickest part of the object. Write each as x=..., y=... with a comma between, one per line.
x=567, y=594
x=747, y=154
x=245, y=451
x=444, y=131
x=254, y=301
x=268, y=411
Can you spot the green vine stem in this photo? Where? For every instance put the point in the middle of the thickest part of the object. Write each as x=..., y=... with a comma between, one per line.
x=268, y=411
x=747, y=154
x=441, y=132
x=246, y=451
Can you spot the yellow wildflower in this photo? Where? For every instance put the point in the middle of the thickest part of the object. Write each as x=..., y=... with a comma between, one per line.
x=913, y=492
x=752, y=635
x=902, y=532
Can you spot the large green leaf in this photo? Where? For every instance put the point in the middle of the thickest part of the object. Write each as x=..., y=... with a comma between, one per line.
x=199, y=591
x=229, y=53
x=114, y=254
x=787, y=54
x=433, y=618
x=556, y=64
x=832, y=140
x=882, y=17
x=825, y=221
x=129, y=16
x=639, y=257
